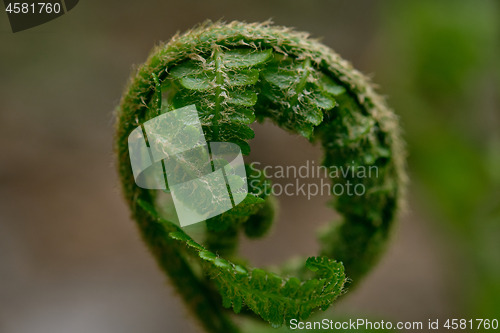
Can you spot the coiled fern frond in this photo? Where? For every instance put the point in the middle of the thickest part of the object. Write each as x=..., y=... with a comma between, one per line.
x=235, y=74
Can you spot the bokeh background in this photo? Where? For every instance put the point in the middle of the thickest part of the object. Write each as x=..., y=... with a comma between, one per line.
x=70, y=257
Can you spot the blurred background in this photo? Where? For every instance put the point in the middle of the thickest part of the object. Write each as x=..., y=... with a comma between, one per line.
x=71, y=259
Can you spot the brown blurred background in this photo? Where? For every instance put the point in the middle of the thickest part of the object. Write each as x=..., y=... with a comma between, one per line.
x=70, y=257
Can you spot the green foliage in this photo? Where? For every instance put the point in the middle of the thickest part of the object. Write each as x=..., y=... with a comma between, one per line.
x=272, y=297
x=235, y=74
x=222, y=88
x=295, y=94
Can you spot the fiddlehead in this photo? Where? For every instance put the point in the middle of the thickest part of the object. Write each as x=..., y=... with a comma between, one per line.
x=234, y=74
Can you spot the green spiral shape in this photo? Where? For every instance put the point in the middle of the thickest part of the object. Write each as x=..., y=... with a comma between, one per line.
x=237, y=74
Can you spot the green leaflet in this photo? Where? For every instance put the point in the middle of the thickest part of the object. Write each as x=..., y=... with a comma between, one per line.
x=235, y=74
x=245, y=57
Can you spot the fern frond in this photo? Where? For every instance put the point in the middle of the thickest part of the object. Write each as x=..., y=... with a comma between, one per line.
x=235, y=74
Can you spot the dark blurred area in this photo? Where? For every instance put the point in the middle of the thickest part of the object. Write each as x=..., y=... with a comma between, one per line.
x=71, y=259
